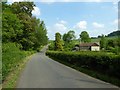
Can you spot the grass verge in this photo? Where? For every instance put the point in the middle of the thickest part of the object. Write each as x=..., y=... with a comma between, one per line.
x=12, y=78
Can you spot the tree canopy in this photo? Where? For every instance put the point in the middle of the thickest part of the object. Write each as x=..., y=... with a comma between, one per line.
x=58, y=42
x=21, y=27
x=69, y=36
x=115, y=33
x=84, y=36
x=103, y=42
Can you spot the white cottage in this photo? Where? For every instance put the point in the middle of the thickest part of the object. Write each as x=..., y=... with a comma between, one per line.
x=89, y=46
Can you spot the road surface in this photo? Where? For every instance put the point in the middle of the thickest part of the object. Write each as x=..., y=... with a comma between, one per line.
x=43, y=72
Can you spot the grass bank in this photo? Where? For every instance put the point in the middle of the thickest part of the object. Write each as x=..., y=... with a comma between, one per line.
x=13, y=61
x=12, y=78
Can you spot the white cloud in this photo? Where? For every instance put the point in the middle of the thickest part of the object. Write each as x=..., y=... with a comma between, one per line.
x=81, y=25
x=60, y=27
x=36, y=11
x=98, y=25
x=115, y=6
x=63, y=22
x=115, y=3
x=115, y=22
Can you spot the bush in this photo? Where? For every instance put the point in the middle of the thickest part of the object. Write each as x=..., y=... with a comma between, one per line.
x=51, y=46
x=11, y=57
x=98, y=61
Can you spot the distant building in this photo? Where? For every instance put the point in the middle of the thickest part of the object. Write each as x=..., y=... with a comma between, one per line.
x=89, y=46
x=76, y=48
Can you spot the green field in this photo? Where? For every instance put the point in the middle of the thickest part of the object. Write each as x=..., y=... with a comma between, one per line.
x=98, y=39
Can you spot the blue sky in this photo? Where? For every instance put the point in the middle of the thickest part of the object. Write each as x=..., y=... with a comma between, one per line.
x=94, y=17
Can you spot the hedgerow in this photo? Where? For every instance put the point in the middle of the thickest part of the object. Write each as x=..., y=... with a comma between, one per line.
x=11, y=57
x=102, y=62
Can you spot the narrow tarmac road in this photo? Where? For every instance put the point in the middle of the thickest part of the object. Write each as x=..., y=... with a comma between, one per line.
x=43, y=72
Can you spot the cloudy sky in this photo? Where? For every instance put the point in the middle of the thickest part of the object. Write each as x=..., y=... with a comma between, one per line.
x=94, y=16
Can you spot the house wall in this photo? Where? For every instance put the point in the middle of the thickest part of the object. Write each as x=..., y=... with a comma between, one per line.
x=84, y=48
x=95, y=48
x=75, y=49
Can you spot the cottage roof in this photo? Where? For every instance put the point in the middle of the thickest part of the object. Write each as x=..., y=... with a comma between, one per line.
x=88, y=44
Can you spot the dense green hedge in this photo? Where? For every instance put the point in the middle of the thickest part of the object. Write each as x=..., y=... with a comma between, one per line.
x=11, y=57
x=102, y=62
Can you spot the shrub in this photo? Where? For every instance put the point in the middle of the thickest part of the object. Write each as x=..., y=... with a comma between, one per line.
x=99, y=61
x=52, y=46
x=11, y=57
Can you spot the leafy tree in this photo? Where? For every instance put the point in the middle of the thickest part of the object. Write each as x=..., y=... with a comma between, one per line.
x=65, y=37
x=118, y=41
x=84, y=37
x=103, y=42
x=58, y=42
x=23, y=7
x=69, y=36
x=52, y=45
x=12, y=28
x=115, y=33
x=40, y=34
x=113, y=45
x=110, y=43
x=68, y=40
x=0, y=25
x=19, y=26
x=4, y=5
x=20, y=30
x=23, y=10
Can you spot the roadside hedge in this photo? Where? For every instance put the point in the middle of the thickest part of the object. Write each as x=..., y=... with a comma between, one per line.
x=12, y=56
x=102, y=62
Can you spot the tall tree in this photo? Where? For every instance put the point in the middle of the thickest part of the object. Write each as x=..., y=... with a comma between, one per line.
x=58, y=42
x=12, y=28
x=41, y=34
x=68, y=37
x=84, y=36
x=23, y=10
x=21, y=27
x=103, y=42
x=23, y=7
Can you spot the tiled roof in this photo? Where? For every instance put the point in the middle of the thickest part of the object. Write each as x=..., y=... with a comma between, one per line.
x=88, y=44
